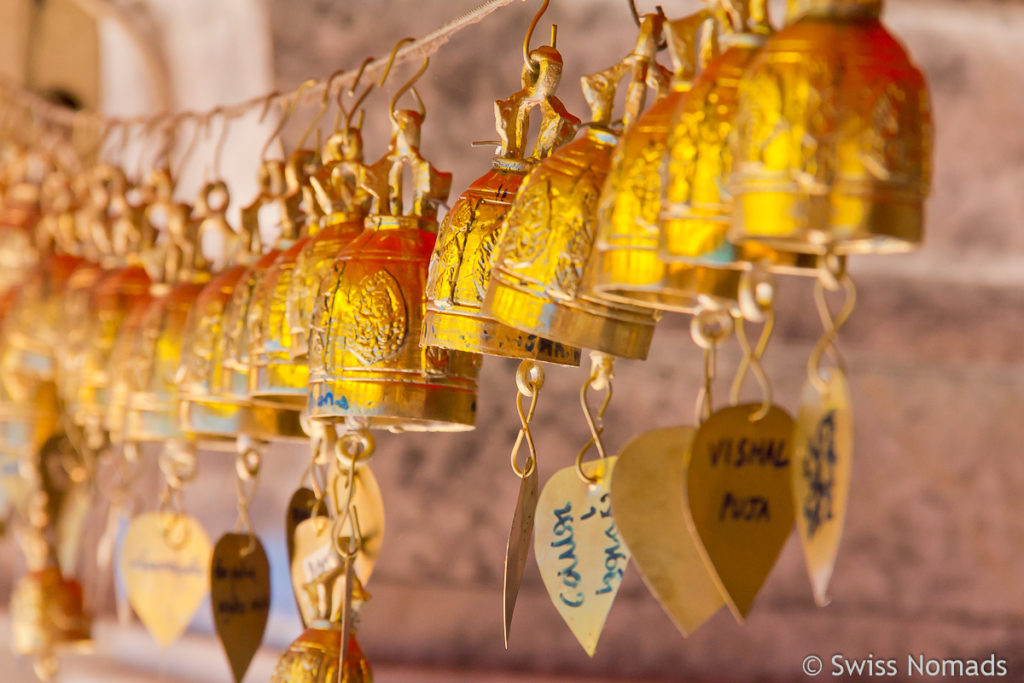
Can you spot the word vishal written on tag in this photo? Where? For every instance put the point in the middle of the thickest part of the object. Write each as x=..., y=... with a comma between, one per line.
x=615, y=560
x=320, y=562
x=747, y=453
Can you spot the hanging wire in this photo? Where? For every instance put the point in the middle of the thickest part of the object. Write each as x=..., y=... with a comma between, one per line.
x=529, y=380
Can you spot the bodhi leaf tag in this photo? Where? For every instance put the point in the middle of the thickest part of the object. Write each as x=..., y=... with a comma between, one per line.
x=369, y=506
x=518, y=547
x=240, y=597
x=302, y=506
x=578, y=549
x=649, y=499
x=741, y=500
x=822, y=457
x=165, y=562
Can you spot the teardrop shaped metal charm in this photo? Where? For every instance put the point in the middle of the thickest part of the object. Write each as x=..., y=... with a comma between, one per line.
x=579, y=553
x=741, y=499
x=822, y=459
x=518, y=548
x=240, y=597
x=649, y=499
x=165, y=562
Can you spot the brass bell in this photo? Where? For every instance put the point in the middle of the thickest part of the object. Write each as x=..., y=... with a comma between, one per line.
x=626, y=265
x=315, y=655
x=834, y=136
x=275, y=378
x=537, y=283
x=155, y=352
x=344, y=205
x=215, y=376
x=365, y=358
x=460, y=268
x=47, y=614
x=696, y=204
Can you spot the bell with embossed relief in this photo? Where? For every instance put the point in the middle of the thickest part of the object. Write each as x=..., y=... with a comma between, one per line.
x=834, y=136
x=48, y=614
x=696, y=206
x=155, y=350
x=625, y=266
x=366, y=362
x=275, y=378
x=537, y=282
x=214, y=401
x=460, y=268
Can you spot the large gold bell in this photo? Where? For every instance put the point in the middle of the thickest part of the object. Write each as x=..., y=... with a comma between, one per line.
x=833, y=144
x=460, y=268
x=537, y=284
x=365, y=358
x=313, y=658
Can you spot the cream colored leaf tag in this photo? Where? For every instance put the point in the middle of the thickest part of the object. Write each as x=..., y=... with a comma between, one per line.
x=822, y=458
x=578, y=548
x=315, y=556
x=518, y=547
x=240, y=597
x=165, y=562
x=369, y=505
x=302, y=506
x=649, y=499
x=741, y=500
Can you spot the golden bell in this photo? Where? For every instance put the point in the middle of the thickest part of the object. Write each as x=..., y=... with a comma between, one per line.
x=833, y=144
x=460, y=268
x=344, y=205
x=703, y=268
x=47, y=614
x=626, y=266
x=155, y=351
x=365, y=358
x=537, y=283
x=275, y=378
x=313, y=657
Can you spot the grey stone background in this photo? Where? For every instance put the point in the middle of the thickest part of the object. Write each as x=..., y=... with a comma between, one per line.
x=931, y=555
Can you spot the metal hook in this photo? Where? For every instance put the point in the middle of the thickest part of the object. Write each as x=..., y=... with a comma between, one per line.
x=391, y=60
x=286, y=111
x=192, y=143
x=218, y=148
x=636, y=19
x=323, y=108
x=409, y=84
x=358, y=101
x=529, y=35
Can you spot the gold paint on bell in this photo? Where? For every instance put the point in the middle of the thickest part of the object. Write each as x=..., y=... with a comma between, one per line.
x=833, y=137
x=460, y=268
x=365, y=357
x=47, y=614
x=626, y=266
x=275, y=378
x=538, y=284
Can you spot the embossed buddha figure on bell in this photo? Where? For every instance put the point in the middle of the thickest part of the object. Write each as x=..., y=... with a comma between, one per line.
x=366, y=362
x=537, y=282
x=460, y=268
x=834, y=136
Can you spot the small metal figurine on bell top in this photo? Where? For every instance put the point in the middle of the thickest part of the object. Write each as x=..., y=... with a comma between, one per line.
x=537, y=283
x=366, y=362
x=460, y=268
x=834, y=136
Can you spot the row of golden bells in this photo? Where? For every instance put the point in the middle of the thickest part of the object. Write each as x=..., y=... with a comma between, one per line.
x=761, y=151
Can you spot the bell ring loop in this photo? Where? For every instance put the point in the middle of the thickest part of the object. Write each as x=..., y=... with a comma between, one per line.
x=529, y=377
x=710, y=327
x=756, y=293
x=355, y=447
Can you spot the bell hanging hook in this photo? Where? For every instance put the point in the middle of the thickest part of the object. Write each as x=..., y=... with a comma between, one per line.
x=348, y=113
x=636, y=19
x=323, y=109
x=529, y=36
x=408, y=84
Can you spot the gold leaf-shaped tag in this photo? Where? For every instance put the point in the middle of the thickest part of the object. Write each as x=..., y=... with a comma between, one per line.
x=822, y=457
x=649, y=499
x=301, y=507
x=578, y=549
x=369, y=506
x=314, y=557
x=518, y=548
x=74, y=507
x=165, y=562
x=741, y=499
x=240, y=597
